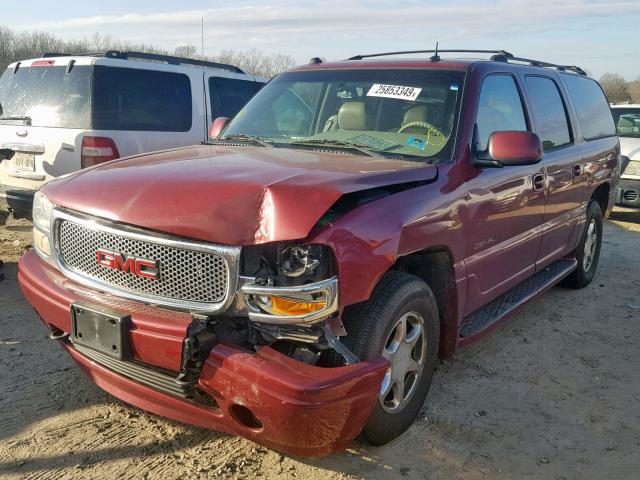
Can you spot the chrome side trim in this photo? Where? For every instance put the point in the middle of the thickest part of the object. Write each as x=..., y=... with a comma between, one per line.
x=327, y=288
x=24, y=147
x=230, y=254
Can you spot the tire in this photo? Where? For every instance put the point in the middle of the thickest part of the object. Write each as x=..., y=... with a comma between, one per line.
x=588, y=252
x=4, y=216
x=397, y=296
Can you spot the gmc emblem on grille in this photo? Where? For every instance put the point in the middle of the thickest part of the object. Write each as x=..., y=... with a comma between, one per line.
x=140, y=267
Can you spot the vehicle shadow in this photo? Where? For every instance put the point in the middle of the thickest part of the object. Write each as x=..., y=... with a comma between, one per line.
x=625, y=215
x=43, y=394
x=87, y=458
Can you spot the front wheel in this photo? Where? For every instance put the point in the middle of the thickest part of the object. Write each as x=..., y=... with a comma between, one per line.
x=399, y=322
x=588, y=253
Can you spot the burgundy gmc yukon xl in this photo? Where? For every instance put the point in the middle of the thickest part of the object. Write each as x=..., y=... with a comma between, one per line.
x=296, y=279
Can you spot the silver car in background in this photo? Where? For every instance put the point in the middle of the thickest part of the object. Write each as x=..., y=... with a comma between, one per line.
x=627, y=119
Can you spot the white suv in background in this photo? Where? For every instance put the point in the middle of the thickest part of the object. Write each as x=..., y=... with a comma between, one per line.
x=627, y=119
x=61, y=113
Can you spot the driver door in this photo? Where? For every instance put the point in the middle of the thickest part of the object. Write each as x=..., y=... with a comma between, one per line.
x=506, y=205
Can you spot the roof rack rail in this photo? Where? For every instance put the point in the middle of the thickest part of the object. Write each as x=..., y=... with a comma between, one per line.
x=497, y=56
x=539, y=63
x=126, y=55
x=408, y=52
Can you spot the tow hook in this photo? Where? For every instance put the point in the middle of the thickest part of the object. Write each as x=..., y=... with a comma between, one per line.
x=196, y=346
x=58, y=335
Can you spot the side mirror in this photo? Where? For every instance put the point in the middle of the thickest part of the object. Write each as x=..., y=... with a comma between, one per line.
x=509, y=148
x=217, y=126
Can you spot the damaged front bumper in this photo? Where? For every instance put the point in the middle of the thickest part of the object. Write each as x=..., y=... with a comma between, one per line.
x=265, y=396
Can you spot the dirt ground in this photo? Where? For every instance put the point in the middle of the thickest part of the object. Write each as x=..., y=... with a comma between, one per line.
x=555, y=394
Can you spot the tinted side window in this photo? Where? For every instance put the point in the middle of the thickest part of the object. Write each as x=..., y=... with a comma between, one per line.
x=591, y=105
x=229, y=95
x=499, y=108
x=548, y=111
x=141, y=100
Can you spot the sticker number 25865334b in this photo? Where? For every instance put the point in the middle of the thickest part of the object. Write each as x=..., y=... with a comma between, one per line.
x=394, y=91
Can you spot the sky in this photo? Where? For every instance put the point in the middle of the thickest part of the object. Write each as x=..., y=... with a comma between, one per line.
x=600, y=36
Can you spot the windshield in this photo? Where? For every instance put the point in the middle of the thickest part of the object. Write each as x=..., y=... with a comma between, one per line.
x=627, y=121
x=47, y=96
x=395, y=113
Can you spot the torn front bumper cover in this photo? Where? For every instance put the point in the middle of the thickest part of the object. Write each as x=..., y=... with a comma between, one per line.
x=265, y=396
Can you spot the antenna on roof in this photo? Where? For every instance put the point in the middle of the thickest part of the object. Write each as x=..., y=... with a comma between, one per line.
x=435, y=57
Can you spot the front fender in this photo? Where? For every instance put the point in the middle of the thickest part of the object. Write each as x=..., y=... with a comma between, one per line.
x=368, y=240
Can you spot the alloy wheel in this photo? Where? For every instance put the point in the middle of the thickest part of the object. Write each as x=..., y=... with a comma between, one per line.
x=590, y=246
x=406, y=350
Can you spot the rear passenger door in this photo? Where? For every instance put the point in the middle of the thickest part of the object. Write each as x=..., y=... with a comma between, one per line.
x=562, y=162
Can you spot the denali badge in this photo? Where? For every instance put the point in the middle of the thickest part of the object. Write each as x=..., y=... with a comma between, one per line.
x=136, y=266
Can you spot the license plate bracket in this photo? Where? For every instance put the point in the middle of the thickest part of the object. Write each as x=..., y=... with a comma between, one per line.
x=24, y=161
x=101, y=329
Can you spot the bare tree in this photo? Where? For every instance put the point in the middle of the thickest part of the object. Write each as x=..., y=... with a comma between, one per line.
x=634, y=90
x=615, y=88
x=256, y=62
x=6, y=45
x=16, y=46
x=187, y=51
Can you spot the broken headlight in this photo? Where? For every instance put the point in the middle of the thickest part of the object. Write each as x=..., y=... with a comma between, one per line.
x=298, y=260
x=290, y=283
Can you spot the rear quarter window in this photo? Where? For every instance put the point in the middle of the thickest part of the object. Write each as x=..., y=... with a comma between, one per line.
x=141, y=100
x=594, y=114
x=229, y=95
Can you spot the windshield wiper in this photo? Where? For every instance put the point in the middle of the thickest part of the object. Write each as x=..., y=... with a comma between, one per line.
x=23, y=118
x=338, y=143
x=241, y=137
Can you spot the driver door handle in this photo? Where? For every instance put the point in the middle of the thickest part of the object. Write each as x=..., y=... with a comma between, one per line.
x=538, y=182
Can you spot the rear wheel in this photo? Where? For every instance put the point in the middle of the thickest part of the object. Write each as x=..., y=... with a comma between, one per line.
x=399, y=322
x=588, y=253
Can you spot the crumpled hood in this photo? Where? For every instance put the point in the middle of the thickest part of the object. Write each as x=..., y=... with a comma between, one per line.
x=233, y=196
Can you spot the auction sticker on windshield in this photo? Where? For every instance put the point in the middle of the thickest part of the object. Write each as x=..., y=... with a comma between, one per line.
x=394, y=91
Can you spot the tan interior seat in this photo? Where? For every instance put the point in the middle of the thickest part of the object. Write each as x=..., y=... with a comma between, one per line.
x=415, y=114
x=352, y=116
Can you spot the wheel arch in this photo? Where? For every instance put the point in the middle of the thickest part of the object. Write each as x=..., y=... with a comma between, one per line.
x=434, y=265
x=601, y=195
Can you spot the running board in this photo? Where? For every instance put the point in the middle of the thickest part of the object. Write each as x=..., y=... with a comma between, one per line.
x=509, y=301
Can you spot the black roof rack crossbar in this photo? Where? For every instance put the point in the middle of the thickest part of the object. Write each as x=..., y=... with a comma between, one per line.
x=539, y=63
x=497, y=55
x=125, y=55
x=409, y=52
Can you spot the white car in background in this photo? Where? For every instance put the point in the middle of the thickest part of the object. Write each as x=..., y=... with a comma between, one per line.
x=61, y=113
x=627, y=119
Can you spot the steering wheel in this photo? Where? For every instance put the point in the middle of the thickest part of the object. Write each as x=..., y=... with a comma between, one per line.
x=430, y=129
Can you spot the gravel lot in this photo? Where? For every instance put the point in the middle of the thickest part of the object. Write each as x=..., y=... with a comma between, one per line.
x=555, y=394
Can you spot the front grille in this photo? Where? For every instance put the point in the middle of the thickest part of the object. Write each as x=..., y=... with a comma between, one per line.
x=630, y=195
x=195, y=276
